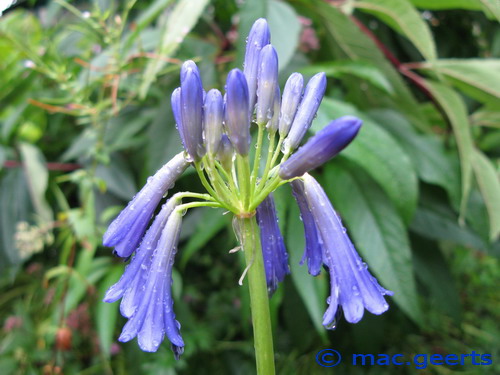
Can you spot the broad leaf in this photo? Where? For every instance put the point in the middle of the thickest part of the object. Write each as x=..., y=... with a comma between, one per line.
x=179, y=23
x=433, y=163
x=379, y=154
x=479, y=79
x=401, y=16
x=360, y=69
x=455, y=110
x=377, y=231
x=37, y=176
x=285, y=30
x=489, y=184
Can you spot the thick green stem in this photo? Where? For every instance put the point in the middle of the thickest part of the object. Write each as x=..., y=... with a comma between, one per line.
x=259, y=300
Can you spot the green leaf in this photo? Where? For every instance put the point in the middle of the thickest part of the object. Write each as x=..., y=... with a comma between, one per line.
x=211, y=222
x=433, y=163
x=448, y=4
x=478, y=78
x=285, y=30
x=432, y=270
x=377, y=231
x=379, y=154
x=489, y=184
x=456, y=112
x=360, y=69
x=15, y=206
x=37, y=176
x=486, y=117
x=401, y=16
x=179, y=23
x=250, y=11
x=348, y=41
x=437, y=221
x=106, y=313
x=312, y=290
x=118, y=177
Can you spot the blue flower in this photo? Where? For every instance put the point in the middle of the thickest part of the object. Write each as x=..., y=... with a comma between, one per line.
x=266, y=83
x=145, y=286
x=292, y=94
x=273, y=247
x=126, y=231
x=351, y=285
x=237, y=111
x=320, y=148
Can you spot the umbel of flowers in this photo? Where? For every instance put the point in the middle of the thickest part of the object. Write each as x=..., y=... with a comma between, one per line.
x=215, y=130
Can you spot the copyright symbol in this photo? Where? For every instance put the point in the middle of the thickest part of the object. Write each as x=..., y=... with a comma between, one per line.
x=328, y=358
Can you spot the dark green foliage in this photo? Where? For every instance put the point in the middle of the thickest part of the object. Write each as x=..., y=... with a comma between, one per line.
x=85, y=118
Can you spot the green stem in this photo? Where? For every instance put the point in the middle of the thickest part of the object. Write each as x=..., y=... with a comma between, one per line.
x=270, y=153
x=259, y=301
x=256, y=161
x=244, y=179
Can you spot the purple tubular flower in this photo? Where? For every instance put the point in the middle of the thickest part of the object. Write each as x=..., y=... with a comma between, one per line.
x=292, y=93
x=176, y=108
x=272, y=125
x=258, y=37
x=127, y=230
x=191, y=99
x=320, y=148
x=237, y=113
x=308, y=107
x=154, y=316
x=313, y=251
x=273, y=246
x=214, y=112
x=352, y=285
x=266, y=83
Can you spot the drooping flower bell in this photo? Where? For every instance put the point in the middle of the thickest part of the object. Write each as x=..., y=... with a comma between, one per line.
x=215, y=131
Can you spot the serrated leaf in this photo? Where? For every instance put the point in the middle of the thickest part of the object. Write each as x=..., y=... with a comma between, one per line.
x=478, y=78
x=360, y=69
x=489, y=184
x=285, y=30
x=379, y=154
x=37, y=176
x=312, y=290
x=106, y=313
x=179, y=23
x=456, y=112
x=377, y=231
x=401, y=16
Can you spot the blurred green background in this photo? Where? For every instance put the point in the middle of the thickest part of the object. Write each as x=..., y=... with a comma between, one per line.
x=85, y=118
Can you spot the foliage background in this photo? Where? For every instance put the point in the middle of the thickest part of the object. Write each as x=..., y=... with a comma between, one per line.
x=85, y=118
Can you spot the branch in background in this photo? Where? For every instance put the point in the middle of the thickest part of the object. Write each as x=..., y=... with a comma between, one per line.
x=63, y=167
x=404, y=69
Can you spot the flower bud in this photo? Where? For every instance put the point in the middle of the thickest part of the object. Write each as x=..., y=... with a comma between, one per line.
x=225, y=153
x=323, y=146
x=237, y=113
x=214, y=112
x=176, y=108
x=258, y=37
x=292, y=93
x=272, y=125
x=308, y=107
x=192, y=110
x=266, y=83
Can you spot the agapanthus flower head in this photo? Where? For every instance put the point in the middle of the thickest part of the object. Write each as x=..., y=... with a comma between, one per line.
x=215, y=133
